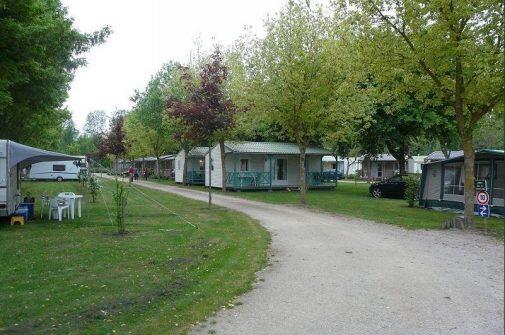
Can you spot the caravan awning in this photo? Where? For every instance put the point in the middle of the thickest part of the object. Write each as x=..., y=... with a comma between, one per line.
x=24, y=155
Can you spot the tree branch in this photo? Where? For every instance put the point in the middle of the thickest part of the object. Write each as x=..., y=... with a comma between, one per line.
x=407, y=40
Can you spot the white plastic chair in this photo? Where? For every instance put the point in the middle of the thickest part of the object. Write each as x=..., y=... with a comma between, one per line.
x=58, y=205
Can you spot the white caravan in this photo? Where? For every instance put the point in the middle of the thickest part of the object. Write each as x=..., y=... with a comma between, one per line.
x=13, y=158
x=56, y=170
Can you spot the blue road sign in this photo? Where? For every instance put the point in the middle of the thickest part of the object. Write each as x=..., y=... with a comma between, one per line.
x=483, y=210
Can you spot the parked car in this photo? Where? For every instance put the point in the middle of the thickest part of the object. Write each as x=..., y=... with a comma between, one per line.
x=393, y=187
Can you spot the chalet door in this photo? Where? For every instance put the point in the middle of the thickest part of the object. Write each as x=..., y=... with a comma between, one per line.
x=280, y=171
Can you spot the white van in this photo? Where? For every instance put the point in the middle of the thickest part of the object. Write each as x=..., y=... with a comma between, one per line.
x=55, y=170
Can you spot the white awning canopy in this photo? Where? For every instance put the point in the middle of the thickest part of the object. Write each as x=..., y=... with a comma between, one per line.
x=24, y=155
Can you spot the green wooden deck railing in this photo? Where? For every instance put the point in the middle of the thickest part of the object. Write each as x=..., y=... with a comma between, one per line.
x=248, y=179
x=195, y=177
x=253, y=179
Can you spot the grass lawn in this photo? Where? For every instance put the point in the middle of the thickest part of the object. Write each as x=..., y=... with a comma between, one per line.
x=354, y=200
x=80, y=277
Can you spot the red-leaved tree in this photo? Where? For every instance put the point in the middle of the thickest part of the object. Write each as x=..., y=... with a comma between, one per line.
x=208, y=112
x=113, y=142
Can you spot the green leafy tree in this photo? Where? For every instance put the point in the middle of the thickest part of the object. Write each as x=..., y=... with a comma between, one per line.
x=96, y=123
x=154, y=133
x=452, y=47
x=40, y=50
x=69, y=135
x=293, y=75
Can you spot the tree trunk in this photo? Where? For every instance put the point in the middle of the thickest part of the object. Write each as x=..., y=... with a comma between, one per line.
x=445, y=151
x=465, y=132
x=401, y=163
x=210, y=177
x=303, y=186
x=469, y=179
x=157, y=167
x=398, y=152
x=223, y=164
x=184, y=172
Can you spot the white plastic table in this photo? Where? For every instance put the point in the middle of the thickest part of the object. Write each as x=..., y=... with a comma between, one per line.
x=72, y=199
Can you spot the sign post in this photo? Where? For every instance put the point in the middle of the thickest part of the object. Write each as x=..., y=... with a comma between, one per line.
x=483, y=207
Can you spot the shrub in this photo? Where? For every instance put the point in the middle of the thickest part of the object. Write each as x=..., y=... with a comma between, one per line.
x=120, y=196
x=93, y=187
x=356, y=176
x=412, y=191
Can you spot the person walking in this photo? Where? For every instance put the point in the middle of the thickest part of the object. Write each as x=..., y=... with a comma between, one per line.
x=135, y=174
x=130, y=174
x=146, y=173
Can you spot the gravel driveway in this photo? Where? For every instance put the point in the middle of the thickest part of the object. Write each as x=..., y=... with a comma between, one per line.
x=339, y=275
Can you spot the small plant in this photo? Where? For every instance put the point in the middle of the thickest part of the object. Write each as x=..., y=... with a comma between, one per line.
x=93, y=187
x=412, y=190
x=356, y=176
x=83, y=176
x=120, y=196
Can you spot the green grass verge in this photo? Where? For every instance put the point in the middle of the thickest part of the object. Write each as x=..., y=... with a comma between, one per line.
x=163, y=276
x=354, y=200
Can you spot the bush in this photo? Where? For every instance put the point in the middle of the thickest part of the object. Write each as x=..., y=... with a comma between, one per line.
x=93, y=186
x=120, y=195
x=412, y=191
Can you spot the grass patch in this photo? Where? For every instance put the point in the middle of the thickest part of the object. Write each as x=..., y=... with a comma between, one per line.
x=160, y=278
x=354, y=200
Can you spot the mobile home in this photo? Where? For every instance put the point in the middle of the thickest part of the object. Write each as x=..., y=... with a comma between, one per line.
x=195, y=166
x=379, y=167
x=56, y=170
x=443, y=182
x=267, y=165
x=343, y=165
x=166, y=165
x=13, y=158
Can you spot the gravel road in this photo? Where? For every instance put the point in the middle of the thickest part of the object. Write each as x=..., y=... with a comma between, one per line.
x=337, y=275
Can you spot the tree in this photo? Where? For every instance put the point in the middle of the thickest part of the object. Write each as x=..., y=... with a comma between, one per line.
x=114, y=141
x=68, y=136
x=490, y=132
x=40, y=52
x=208, y=114
x=397, y=125
x=215, y=102
x=154, y=131
x=293, y=73
x=344, y=144
x=178, y=100
x=96, y=123
x=457, y=49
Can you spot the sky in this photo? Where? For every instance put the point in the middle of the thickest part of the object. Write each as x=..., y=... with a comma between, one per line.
x=146, y=34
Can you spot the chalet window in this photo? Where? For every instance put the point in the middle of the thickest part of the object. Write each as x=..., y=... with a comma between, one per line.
x=244, y=165
x=454, y=179
x=379, y=170
x=58, y=167
x=201, y=164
